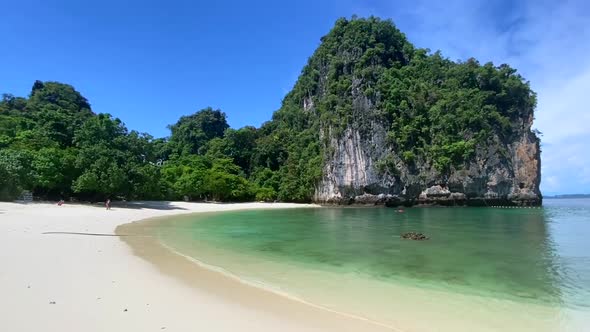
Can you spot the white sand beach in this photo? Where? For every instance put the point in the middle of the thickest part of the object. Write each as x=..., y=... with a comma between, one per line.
x=73, y=282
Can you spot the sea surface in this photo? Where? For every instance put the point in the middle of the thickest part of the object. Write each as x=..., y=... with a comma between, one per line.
x=483, y=269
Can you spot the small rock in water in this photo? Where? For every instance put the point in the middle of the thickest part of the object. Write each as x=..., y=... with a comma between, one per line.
x=414, y=236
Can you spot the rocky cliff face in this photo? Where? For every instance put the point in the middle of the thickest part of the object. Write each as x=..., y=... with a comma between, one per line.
x=500, y=173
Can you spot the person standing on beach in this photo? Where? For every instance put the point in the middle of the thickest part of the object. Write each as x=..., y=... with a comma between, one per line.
x=107, y=204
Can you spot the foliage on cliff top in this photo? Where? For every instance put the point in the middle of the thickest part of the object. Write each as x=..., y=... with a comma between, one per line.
x=437, y=111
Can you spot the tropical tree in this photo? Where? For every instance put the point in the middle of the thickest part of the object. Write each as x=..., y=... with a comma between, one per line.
x=191, y=133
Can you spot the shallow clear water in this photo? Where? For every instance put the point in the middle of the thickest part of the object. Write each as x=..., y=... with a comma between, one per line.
x=519, y=266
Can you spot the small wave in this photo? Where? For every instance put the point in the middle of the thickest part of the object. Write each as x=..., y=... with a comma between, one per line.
x=274, y=289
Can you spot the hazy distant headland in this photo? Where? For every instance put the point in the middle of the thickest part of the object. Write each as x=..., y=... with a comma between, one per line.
x=569, y=196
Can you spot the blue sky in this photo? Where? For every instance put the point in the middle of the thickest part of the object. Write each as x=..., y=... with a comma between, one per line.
x=149, y=62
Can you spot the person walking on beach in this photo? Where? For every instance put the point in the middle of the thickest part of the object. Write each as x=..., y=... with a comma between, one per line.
x=107, y=204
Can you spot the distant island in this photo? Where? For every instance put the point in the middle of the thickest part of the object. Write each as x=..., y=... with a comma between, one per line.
x=372, y=119
x=569, y=196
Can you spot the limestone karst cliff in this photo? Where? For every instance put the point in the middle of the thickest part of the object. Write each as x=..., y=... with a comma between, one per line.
x=401, y=125
x=489, y=178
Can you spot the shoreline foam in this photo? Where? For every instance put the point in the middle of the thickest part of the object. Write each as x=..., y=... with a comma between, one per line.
x=271, y=288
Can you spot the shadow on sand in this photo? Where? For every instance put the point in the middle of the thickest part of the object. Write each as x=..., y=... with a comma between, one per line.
x=150, y=205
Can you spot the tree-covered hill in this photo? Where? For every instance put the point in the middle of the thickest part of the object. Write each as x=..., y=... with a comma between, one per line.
x=421, y=118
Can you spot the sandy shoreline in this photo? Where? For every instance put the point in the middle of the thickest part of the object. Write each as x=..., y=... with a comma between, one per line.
x=72, y=282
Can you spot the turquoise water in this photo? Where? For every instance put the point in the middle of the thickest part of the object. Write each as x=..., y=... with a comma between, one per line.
x=485, y=262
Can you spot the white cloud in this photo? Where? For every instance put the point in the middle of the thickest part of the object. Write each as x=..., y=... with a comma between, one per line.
x=552, y=184
x=565, y=165
x=563, y=109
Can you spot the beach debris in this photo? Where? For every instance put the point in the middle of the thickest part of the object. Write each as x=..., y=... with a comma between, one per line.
x=414, y=236
x=52, y=302
x=125, y=310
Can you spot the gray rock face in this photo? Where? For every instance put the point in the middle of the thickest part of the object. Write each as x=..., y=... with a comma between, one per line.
x=500, y=173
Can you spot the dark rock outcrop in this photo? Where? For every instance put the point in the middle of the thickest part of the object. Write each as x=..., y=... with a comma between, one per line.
x=414, y=236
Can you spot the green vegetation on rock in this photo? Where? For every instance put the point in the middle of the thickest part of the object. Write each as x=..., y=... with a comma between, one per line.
x=437, y=112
